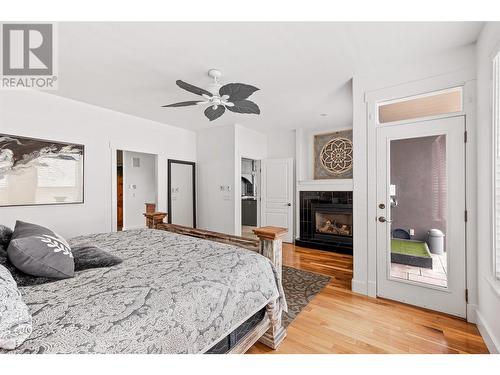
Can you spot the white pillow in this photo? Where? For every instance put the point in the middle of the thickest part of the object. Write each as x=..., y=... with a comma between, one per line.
x=15, y=319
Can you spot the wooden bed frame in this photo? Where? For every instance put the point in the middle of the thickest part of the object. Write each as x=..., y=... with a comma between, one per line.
x=270, y=330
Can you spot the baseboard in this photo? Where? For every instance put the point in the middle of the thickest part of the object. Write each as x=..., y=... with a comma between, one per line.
x=472, y=313
x=372, y=288
x=359, y=287
x=490, y=340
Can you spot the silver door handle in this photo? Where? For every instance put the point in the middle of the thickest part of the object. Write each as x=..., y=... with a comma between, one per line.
x=384, y=220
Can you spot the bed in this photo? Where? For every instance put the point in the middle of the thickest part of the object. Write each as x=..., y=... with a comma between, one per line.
x=173, y=293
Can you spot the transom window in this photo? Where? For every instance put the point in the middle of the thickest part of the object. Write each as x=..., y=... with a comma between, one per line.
x=426, y=105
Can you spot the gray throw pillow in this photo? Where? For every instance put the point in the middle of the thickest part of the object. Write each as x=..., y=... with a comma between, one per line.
x=38, y=251
x=85, y=256
x=88, y=256
x=21, y=278
x=15, y=320
x=5, y=236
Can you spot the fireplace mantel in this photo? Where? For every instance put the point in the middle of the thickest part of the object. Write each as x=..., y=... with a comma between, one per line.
x=325, y=185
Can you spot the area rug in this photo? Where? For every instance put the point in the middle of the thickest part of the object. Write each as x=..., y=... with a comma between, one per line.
x=300, y=288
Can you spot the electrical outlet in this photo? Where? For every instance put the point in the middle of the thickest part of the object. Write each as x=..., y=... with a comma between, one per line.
x=412, y=232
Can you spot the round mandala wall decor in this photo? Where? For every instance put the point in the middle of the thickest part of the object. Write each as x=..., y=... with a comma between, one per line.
x=336, y=156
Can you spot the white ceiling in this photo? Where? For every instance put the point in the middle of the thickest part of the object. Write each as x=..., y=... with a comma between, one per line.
x=302, y=69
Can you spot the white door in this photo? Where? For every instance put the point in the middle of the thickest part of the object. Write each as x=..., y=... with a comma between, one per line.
x=421, y=191
x=277, y=194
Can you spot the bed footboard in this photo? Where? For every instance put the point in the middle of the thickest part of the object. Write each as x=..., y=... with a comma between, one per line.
x=270, y=331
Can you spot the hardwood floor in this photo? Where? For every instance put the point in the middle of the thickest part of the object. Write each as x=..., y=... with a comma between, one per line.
x=340, y=321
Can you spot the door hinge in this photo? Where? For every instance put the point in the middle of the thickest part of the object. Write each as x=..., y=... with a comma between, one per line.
x=465, y=136
x=465, y=215
x=466, y=295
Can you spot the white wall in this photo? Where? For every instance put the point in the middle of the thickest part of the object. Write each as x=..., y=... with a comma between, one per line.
x=219, y=150
x=41, y=115
x=489, y=289
x=281, y=143
x=305, y=146
x=460, y=61
x=139, y=187
x=252, y=145
x=216, y=168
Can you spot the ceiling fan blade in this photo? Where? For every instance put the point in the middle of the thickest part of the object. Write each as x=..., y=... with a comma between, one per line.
x=213, y=114
x=183, y=104
x=193, y=89
x=244, y=106
x=237, y=91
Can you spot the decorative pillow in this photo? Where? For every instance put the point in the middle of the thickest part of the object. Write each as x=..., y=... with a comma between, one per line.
x=15, y=319
x=5, y=236
x=38, y=251
x=88, y=256
x=21, y=278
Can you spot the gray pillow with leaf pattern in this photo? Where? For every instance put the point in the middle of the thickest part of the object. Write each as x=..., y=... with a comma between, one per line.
x=38, y=251
x=15, y=318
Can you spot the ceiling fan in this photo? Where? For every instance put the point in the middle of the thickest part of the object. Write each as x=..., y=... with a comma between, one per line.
x=218, y=98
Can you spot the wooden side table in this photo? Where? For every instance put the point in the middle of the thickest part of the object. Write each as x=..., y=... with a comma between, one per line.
x=154, y=218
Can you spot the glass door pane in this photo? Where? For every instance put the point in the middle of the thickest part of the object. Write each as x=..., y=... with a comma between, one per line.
x=418, y=210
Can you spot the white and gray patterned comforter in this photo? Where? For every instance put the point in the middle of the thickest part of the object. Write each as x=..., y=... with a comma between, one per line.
x=171, y=294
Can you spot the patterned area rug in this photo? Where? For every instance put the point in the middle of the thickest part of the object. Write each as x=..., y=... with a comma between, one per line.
x=300, y=288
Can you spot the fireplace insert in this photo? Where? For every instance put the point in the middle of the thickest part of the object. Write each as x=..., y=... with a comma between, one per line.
x=326, y=221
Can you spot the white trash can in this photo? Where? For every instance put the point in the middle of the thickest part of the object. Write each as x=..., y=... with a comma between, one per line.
x=435, y=240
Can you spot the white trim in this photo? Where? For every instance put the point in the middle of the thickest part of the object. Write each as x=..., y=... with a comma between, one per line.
x=418, y=96
x=359, y=286
x=325, y=185
x=462, y=77
x=495, y=133
x=372, y=289
x=494, y=284
x=472, y=313
x=492, y=342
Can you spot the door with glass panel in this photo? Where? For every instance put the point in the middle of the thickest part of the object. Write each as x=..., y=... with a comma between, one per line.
x=421, y=214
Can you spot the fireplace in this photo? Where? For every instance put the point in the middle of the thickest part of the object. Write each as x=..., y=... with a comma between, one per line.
x=326, y=221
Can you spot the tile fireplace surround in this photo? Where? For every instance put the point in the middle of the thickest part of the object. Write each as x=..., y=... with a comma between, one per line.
x=326, y=220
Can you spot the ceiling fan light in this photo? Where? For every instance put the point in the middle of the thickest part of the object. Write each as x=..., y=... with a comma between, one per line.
x=214, y=88
x=214, y=107
x=229, y=104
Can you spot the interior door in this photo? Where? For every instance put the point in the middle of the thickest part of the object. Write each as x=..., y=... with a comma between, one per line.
x=420, y=214
x=181, y=201
x=277, y=194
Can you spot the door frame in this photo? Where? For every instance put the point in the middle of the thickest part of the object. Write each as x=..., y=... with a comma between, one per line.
x=455, y=220
x=169, y=187
x=366, y=273
x=114, y=147
x=291, y=218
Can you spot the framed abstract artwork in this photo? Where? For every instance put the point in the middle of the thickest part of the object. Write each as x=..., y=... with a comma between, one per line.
x=333, y=155
x=37, y=172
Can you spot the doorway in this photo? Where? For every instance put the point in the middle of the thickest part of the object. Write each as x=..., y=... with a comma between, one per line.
x=250, y=197
x=421, y=214
x=119, y=190
x=136, y=184
x=182, y=193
